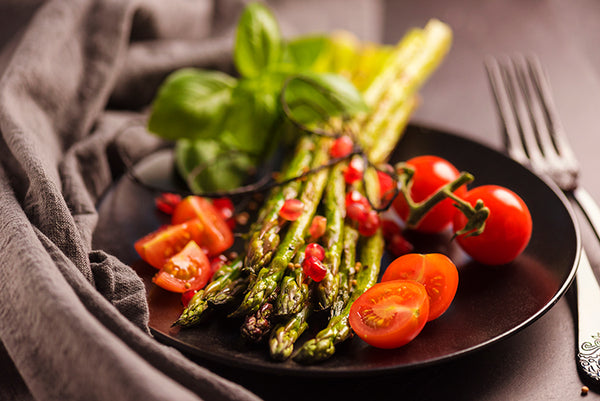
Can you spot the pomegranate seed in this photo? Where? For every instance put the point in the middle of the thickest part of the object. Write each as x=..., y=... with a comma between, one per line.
x=316, y=250
x=167, y=202
x=187, y=296
x=217, y=261
x=356, y=197
x=291, y=209
x=317, y=227
x=355, y=170
x=226, y=209
x=357, y=212
x=341, y=147
x=370, y=225
x=398, y=245
x=313, y=268
x=224, y=206
x=390, y=228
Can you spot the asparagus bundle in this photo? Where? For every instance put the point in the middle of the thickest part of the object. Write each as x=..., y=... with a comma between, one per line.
x=278, y=288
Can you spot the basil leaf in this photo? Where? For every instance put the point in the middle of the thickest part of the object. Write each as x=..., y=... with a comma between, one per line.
x=252, y=114
x=190, y=104
x=258, y=42
x=207, y=166
x=314, y=98
x=308, y=53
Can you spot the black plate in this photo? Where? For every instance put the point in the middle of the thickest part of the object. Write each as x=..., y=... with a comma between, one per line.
x=492, y=302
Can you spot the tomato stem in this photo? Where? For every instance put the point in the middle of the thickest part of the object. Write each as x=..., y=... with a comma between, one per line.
x=476, y=215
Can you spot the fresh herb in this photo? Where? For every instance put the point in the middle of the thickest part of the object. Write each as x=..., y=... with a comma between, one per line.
x=225, y=126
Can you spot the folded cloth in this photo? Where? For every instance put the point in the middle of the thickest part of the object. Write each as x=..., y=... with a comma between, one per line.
x=74, y=320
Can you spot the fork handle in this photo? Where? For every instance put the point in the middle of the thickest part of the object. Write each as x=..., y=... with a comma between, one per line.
x=588, y=295
x=588, y=319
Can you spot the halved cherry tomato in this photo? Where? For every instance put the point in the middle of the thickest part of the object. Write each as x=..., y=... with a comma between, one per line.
x=217, y=235
x=390, y=314
x=155, y=248
x=507, y=229
x=187, y=270
x=431, y=173
x=435, y=271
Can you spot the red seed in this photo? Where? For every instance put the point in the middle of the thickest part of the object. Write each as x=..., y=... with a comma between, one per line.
x=167, y=202
x=397, y=245
x=317, y=227
x=291, y=209
x=226, y=209
x=186, y=297
x=316, y=250
x=217, y=261
x=341, y=147
x=370, y=225
x=390, y=228
x=357, y=212
x=314, y=269
x=355, y=170
x=356, y=197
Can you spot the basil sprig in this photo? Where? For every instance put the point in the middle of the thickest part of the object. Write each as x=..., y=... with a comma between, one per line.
x=224, y=126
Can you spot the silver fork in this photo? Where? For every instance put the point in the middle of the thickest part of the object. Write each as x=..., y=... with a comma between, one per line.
x=535, y=138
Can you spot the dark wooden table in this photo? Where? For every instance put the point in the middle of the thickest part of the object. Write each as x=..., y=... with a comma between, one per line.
x=537, y=363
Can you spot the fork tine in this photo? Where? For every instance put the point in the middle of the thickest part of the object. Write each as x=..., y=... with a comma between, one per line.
x=507, y=115
x=542, y=84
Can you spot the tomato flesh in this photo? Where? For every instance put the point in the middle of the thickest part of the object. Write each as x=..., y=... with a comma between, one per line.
x=157, y=247
x=435, y=271
x=217, y=236
x=390, y=314
x=507, y=229
x=187, y=270
x=431, y=173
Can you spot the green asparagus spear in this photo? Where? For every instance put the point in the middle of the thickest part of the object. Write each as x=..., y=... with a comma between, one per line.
x=335, y=210
x=284, y=335
x=225, y=284
x=259, y=324
x=347, y=269
x=264, y=238
x=322, y=346
x=268, y=278
x=293, y=288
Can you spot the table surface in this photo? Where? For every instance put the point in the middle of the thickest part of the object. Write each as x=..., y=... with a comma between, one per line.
x=537, y=363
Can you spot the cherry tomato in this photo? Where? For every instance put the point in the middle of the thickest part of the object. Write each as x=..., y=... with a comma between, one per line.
x=507, y=229
x=187, y=270
x=390, y=314
x=155, y=248
x=217, y=235
x=435, y=271
x=431, y=173
x=386, y=184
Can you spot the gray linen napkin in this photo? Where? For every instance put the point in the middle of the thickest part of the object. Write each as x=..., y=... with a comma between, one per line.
x=73, y=320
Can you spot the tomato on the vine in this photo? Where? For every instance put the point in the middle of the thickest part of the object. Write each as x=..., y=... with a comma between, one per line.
x=431, y=173
x=507, y=229
x=390, y=314
x=435, y=271
x=187, y=270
